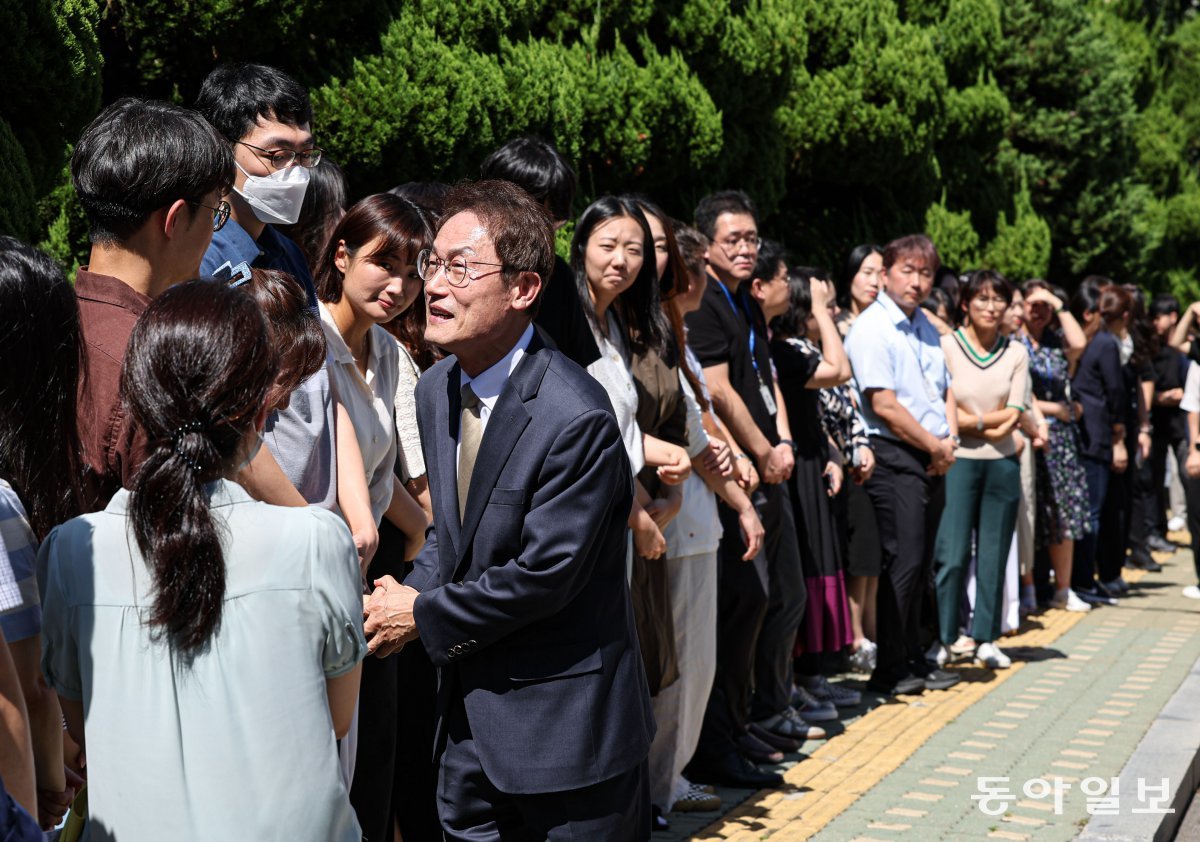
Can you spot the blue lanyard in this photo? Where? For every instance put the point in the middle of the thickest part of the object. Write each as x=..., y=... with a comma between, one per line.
x=749, y=322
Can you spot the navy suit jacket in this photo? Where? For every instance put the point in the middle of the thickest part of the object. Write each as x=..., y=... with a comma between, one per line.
x=524, y=608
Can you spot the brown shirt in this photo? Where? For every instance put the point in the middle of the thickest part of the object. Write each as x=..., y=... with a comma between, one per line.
x=113, y=449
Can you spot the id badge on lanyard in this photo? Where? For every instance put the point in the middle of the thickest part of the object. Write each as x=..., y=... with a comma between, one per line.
x=767, y=396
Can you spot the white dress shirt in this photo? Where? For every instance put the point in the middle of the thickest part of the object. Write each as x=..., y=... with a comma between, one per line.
x=491, y=382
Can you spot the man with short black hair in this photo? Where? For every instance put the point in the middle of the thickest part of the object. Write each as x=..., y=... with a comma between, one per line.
x=760, y=603
x=541, y=171
x=266, y=117
x=150, y=177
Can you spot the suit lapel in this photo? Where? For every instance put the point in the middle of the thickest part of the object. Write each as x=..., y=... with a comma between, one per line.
x=448, y=409
x=505, y=426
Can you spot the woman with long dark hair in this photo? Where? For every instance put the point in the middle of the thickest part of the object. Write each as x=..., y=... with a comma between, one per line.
x=861, y=283
x=40, y=469
x=210, y=642
x=616, y=277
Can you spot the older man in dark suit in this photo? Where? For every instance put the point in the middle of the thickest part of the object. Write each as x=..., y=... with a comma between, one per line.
x=520, y=595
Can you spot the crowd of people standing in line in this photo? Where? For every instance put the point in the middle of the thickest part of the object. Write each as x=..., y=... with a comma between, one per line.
x=241, y=462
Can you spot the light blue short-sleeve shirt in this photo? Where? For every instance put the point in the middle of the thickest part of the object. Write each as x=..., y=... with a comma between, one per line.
x=888, y=350
x=236, y=742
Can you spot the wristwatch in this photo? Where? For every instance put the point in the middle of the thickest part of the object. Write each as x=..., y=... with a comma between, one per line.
x=790, y=444
x=957, y=441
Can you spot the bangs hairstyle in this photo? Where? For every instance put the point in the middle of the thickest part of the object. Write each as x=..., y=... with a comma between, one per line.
x=980, y=280
x=294, y=330
x=1163, y=304
x=692, y=246
x=914, y=245
x=793, y=322
x=519, y=227
x=235, y=96
x=41, y=345
x=138, y=156
x=401, y=227
x=638, y=307
x=538, y=168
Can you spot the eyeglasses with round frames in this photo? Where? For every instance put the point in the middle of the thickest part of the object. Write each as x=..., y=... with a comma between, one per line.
x=220, y=214
x=458, y=269
x=282, y=158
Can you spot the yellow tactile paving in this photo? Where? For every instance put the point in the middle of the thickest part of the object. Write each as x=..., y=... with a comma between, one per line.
x=874, y=746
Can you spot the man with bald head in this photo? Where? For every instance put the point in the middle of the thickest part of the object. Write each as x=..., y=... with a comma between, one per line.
x=519, y=595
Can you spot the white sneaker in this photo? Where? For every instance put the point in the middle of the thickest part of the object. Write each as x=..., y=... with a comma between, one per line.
x=1191, y=592
x=1068, y=601
x=962, y=647
x=864, y=659
x=838, y=696
x=1176, y=524
x=938, y=654
x=990, y=656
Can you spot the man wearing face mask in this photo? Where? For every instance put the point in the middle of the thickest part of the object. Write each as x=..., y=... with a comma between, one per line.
x=266, y=116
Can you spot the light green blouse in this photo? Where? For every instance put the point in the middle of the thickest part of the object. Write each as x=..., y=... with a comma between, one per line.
x=238, y=743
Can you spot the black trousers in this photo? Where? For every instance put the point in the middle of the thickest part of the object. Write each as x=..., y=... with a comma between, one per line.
x=471, y=808
x=1154, y=513
x=787, y=596
x=742, y=598
x=414, y=799
x=908, y=505
x=374, y=766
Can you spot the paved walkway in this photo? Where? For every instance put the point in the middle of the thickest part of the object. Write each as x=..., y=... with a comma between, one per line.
x=1082, y=691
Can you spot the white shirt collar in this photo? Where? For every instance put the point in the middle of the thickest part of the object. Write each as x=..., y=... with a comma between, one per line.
x=488, y=385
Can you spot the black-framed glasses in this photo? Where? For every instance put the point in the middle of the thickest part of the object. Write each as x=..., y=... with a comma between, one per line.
x=282, y=158
x=220, y=214
x=459, y=270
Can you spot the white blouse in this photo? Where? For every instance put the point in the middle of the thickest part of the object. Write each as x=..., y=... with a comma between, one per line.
x=412, y=460
x=613, y=373
x=370, y=402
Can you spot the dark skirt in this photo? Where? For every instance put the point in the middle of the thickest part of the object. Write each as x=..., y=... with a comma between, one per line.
x=826, y=626
x=858, y=534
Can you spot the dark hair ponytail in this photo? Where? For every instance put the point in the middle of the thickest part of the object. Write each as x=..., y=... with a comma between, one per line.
x=195, y=378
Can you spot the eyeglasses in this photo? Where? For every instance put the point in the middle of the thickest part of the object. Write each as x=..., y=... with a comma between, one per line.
x=993, y=303
x=459, y=271
x=282, y=158
x=751, y=242
x=220, y=214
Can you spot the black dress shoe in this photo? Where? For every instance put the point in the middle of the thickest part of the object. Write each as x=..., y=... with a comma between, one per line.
x=774, y=740
x=1141, y=560
x=907, y=685
x=757, y=751
x=941, y=679
x=1158, y=544
x=733, y=770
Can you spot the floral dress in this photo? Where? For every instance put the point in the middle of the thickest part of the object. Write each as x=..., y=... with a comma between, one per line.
x=1062, y=502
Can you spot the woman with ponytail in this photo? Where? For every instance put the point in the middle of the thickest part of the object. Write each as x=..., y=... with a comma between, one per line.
x=212, y=643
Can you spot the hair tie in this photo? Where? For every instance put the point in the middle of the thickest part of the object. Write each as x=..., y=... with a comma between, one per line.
x=177, y=439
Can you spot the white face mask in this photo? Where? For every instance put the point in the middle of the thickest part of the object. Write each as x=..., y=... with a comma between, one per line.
x=276, y=199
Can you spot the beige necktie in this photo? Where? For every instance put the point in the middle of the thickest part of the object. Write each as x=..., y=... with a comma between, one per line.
x=470, y=431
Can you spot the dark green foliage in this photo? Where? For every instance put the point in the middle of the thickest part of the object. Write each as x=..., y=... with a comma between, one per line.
x=1054, y=137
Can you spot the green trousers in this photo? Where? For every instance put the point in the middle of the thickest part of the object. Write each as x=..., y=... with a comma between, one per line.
x=981, y=501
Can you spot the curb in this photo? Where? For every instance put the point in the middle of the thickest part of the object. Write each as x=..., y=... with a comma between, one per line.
x=1170, y=749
